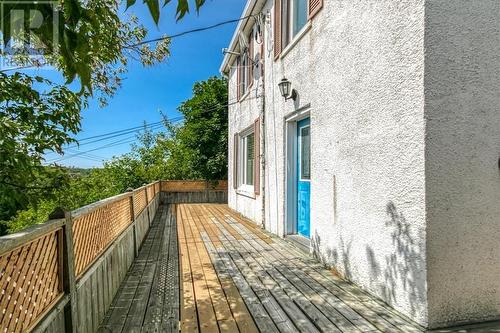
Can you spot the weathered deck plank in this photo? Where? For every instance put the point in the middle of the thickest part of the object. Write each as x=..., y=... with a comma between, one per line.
x=207, y=269
x=140, y=302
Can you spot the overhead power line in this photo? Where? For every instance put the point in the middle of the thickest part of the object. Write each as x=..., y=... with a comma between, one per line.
x=139, y=128
x=120, y=131
x=109, y=145
x=121, y=141
x=108, y=136
x=187, y=32
x=213, y=26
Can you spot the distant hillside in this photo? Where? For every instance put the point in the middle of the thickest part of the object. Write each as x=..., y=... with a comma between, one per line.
x=78, y=172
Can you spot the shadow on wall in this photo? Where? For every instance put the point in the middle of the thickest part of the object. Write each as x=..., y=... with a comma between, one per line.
x=331, y=256
x=400, y=272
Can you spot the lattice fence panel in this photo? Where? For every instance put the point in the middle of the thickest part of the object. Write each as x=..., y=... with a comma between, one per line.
x=139, y=201
x=94, y=232
x=30, y=282
x=151, y=192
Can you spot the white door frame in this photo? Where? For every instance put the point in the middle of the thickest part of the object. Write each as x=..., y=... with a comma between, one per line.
x=291, y=168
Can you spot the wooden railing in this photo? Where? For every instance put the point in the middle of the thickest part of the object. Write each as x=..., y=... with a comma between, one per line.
x=175, y=191
x=193, y=186
x=31, y=278
x=61, y=276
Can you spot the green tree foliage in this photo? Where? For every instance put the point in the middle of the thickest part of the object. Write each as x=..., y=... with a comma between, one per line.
x=198, y=148
x=93, y=46
x=31, y=122
x=193, y=149
x=89, y=33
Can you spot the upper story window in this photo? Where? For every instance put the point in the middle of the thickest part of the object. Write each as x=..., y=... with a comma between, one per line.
x=243, y=81
x=297, y=16
x=290, y=17
x=245, y=68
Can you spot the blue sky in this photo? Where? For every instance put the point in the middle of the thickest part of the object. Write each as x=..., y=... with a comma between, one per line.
x=163, y=87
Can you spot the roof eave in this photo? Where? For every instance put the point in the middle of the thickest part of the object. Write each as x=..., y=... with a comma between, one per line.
x=250, y=9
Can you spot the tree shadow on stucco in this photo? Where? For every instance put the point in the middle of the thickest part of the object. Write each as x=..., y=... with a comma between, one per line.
x=335, y=258
x=403, y=267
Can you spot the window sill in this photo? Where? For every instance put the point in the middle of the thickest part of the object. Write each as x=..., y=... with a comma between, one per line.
x=246, y=94
x=296, y=39
x=246, y=192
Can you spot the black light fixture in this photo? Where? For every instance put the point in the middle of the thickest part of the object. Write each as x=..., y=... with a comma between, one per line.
x=286, y=89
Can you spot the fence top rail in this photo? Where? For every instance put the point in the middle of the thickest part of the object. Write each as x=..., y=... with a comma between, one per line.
x=193, y=185
x=147, y=185
x=201, y=181
x=13, y=241
x=99, y=204
x=142, y=187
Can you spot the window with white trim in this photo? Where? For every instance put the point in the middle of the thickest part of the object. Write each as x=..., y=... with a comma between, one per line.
x=243, y=74
x=297, y=16
x=245, y=66
x=247, y=159
x=294, y=19
x=290, y=19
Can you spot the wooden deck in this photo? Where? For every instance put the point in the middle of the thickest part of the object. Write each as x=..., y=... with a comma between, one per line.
x=203, y=268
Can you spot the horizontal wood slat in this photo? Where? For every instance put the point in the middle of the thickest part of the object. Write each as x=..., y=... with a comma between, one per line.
x=314, y=7
x=94, y=232
x=30, y=282
x=277, y=28
x=192, y=185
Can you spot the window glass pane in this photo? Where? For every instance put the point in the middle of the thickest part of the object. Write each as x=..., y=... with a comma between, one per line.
x=243, y=74
x=299, y=15
x=305, y=153
x=250, y=159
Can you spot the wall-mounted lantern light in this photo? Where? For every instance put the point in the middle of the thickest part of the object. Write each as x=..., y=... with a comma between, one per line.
x=286, y=89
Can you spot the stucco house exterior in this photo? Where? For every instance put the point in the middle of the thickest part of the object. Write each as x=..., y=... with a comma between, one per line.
x=386, y=162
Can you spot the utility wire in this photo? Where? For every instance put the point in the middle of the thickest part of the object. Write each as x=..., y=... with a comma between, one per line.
x=87, y=156
x=121, y=141
x=155, y=127
x=109, y=145
x=189, y=31
x=125, y=131
x=120, y=131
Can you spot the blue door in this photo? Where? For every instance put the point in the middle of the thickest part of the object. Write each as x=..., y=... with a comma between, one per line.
x=304, y=177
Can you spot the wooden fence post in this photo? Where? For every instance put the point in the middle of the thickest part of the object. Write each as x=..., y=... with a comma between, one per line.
x=147, y=206
x=68, y=275
x=132, y=216
x=161, y=200
x=207, y=199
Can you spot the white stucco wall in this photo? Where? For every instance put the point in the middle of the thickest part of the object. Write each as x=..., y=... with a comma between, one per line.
x=242, y=116
x=363, y=78
x=405, y=120
x=462, y=108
